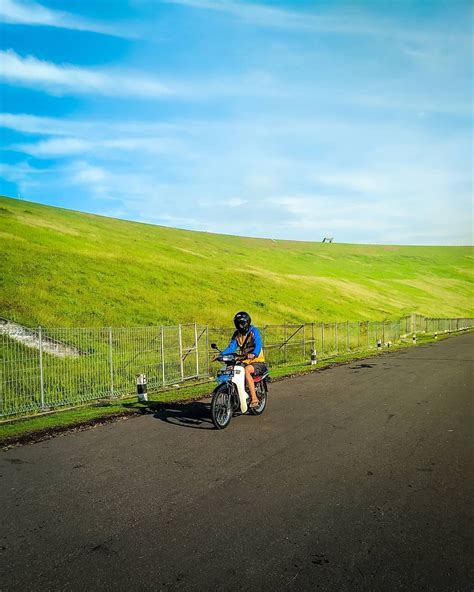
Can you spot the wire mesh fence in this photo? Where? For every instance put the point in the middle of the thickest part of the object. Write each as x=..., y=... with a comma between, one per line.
x=43, y=369
x=48, y=368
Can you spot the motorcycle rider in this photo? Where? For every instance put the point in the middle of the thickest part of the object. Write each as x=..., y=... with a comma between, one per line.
x=247, y=338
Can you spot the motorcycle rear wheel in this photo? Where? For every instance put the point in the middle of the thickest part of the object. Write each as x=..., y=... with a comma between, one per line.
x=262, y=392
x=221, y=406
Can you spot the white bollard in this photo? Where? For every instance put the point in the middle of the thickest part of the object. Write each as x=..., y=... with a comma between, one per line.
x=142, y=388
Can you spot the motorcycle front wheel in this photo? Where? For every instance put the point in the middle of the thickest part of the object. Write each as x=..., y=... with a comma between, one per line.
x=221, y=406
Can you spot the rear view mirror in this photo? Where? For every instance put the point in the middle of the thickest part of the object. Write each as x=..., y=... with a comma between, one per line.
x=214, y=346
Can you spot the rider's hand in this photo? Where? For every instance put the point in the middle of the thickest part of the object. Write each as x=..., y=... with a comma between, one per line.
x=251, y=356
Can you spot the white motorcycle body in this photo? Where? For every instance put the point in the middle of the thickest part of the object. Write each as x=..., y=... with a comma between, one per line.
x=239, y=380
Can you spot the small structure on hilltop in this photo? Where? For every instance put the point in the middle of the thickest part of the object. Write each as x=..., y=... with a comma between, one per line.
x=328, y=239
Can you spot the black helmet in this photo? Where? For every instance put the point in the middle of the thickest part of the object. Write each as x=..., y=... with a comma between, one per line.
x=242, y=322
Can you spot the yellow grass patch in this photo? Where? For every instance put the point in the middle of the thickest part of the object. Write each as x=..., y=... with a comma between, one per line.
x=41, y=223
x=9, y=236
x=191, y=252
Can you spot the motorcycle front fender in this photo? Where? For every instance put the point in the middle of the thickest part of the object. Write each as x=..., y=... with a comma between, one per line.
x=239, y=380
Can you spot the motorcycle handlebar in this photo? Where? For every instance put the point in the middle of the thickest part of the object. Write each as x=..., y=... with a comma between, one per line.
x=237, y=357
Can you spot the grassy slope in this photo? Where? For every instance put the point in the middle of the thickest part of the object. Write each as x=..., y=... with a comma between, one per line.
x=64, y=268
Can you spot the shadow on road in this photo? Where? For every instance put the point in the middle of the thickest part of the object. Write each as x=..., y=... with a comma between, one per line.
x=189, y=415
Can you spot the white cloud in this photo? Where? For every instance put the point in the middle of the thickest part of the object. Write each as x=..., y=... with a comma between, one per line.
x=308, y=208
x=55, y=126
x=32, y=124
x=67, y=79
x=357, y=181
x=55, y=147
x=235, y=202
x=68, y=146
x=19, y=171
x=62, y=79
x=25, y=12
x=269, y=16
x=227, y=202
x=396, y=202
x=388, y=183
x=176, y=221
x=420, y=103
x=89, y=175
x=358, y=21
x=106, y=182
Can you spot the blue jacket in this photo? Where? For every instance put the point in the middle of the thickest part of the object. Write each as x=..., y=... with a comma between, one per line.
x=251, y=343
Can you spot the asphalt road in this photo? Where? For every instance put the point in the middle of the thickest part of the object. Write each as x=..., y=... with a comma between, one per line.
x=355, y=478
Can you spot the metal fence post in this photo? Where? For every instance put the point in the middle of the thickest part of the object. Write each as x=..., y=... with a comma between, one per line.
x=285, y=348
x=304, y=341
x=111, y=363
x=40, y=335
x=336, y=337
x=348, y=339
x=322, y=337
x=196, y=346
x=163, y=355
x=180, y=338
x=358, y=336
x=207, y=350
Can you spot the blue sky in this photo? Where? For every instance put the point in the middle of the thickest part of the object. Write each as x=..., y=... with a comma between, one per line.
x=292, y=120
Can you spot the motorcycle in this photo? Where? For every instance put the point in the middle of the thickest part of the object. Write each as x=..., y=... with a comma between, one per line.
x=230, y=395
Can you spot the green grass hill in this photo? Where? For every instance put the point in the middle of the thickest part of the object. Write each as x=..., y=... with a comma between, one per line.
x=66, y=268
